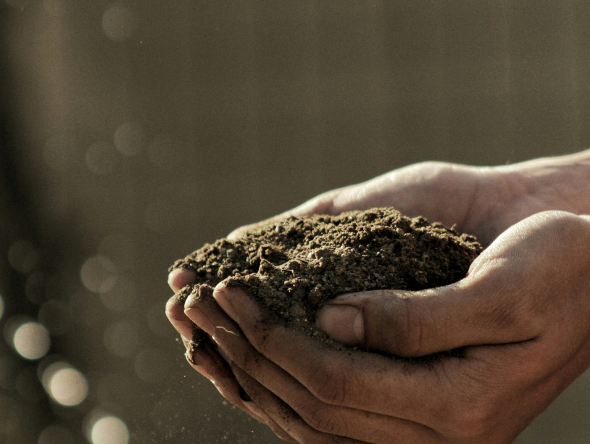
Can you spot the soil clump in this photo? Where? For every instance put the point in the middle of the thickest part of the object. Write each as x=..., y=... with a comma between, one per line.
x=293, y=267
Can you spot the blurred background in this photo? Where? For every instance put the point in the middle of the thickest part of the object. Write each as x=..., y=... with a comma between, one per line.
x=132, y=132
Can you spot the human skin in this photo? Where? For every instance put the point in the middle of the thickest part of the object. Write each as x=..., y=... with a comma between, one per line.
x=521, y=318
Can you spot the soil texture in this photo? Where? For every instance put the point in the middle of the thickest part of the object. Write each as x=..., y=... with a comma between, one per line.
x=295, y=266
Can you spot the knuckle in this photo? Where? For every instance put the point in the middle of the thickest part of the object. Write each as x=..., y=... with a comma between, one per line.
x=471, y=420
x=261, y=339
x=330, y=387
x=324, y=203
x=514, y=309
x=260, y=332
x=320, y=419
x=248, y=361
x=258, y=341
x=410, y=330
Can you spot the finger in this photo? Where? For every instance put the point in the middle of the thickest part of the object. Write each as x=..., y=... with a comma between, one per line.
x=298, y=212
x=501, y=301
x=269, y=422
x=355, y=379
x=414, y=190
x=320, y=416
x=460, y=410
x=210, y=360
x=415, y=324
x=284, y=416
x=176, y=316
x=332, y=202
x=181, y=277
x=207, y=362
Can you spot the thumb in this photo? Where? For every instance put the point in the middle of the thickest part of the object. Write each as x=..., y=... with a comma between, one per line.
x=508, y=296
x=413, y=324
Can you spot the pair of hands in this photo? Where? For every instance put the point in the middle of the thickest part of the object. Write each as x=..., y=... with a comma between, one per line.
x=521, y=318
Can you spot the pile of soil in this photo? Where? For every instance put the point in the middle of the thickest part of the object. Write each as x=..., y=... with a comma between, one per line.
x=295, y=266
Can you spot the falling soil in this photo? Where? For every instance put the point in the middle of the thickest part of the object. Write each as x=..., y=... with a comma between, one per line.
x=295, y=266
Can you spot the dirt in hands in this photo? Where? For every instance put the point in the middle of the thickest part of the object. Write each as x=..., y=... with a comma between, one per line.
x=295, y=266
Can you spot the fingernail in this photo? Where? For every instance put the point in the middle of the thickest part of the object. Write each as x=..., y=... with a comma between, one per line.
x=190, y=357
x=343, y=323
x=220, y=295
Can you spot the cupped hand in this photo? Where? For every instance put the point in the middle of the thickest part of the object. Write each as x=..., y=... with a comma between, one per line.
x=208, y=360
x=519, y=323
x=483, y=201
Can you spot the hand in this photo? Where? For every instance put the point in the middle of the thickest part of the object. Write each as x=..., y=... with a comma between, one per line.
x=520, y=319
x=483, y=201
x=212, y=363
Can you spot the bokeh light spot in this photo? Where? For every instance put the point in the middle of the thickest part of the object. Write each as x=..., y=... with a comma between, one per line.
x=151, y=364
x=121, y=338
x=101, y=158
x=49, y=367
x=31, y=340
x=12, y=324
x=130, y=139
x=67, y=386
x=98, y=274
x=55, y=434
x=23, y=256
x=119, y=22
x=109, y=430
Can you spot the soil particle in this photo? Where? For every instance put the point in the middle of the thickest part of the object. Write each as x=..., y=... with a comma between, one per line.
x=295, y=266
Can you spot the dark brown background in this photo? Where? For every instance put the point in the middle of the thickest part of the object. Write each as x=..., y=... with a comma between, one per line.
x=244, y=109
